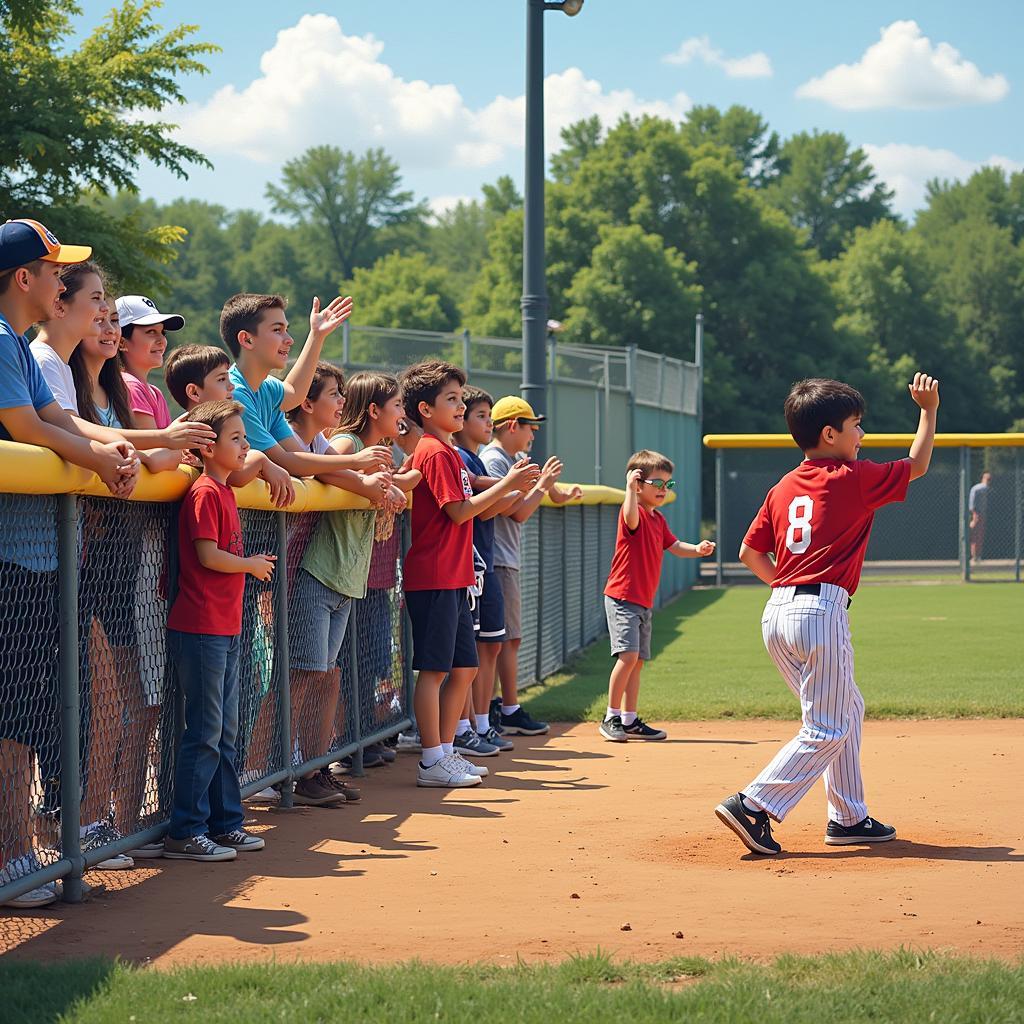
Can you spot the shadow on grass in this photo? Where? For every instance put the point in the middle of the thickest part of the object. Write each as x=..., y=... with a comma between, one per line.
x=42, y=993
x=571, y=694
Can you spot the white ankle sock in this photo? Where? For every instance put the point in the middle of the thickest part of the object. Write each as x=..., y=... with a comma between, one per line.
x=611, y=712
x=628, y=717
x=748, y=805
x=447, y=748
x=483, y=724
x=464, y=727
x=509, y=709
x=431, y=755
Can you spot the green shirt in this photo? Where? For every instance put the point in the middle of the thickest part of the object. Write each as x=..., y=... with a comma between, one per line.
x=338, y=553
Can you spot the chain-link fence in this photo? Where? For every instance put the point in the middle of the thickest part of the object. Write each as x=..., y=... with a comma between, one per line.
x=962, y=520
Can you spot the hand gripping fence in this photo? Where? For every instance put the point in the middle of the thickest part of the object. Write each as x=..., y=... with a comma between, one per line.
x=90, y=708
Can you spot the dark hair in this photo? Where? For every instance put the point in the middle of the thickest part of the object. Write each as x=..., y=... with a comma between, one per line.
x=215, y=414
x=816, y=403
x=244, y=312
x=472, y=395
x=6, y=276
x=73, y=275
x=649, y=462
x=324, y=372
x=423, y=382
x=364, y=389
x=191, y=364
x=110, y=380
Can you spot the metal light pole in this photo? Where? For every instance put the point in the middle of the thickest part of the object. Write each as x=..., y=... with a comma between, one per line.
x=534, y=302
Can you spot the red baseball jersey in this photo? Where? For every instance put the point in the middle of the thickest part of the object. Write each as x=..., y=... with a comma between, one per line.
x=817, y=519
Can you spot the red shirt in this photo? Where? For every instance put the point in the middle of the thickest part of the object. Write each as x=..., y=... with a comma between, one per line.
x=208, y=601
x=636, y=564
x=440, y=556
x=818, y=517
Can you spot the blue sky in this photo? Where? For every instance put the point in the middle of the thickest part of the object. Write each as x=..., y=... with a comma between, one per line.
x=928, y=88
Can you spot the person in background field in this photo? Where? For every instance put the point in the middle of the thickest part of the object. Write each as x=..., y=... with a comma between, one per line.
x=479, y=737
x=515, y=423
x=199, y=373
x=641, y=539
x=439, y=568
x=816, y=521
x=374, y=416
x=30, y=261
x=202, y=639
x=977, y=505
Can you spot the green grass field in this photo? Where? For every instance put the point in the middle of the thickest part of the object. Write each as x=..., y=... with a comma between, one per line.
x=903, y=986
x=933, y=651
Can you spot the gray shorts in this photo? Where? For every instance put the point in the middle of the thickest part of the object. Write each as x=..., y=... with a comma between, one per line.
x=629, y=627
x=317, y=620
x=510, y=592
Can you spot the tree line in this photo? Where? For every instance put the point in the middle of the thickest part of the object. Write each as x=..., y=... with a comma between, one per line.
x=790, y=247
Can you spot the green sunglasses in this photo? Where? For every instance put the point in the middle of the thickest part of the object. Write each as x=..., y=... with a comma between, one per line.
x=662, y=485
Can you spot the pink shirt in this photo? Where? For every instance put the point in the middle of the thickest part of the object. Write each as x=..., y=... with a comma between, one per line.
x=147, y=400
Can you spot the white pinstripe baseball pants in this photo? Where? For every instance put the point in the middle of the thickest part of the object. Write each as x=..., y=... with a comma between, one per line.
x=808, y=638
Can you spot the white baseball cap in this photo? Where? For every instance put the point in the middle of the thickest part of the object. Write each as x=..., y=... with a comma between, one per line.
x=137, y=309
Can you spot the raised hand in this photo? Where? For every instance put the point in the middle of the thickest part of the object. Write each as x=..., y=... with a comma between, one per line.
x=925, y=391
x=523, y=475
x=377, y=457
x=184, y=434
x=551, y=472
x=635, y=479
x=323, y=321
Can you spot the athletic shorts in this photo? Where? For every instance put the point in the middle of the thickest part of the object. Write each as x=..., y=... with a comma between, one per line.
x=512, y=599
x=443, y=637
x=317, y=620
x=629, y=627
x=490, y=610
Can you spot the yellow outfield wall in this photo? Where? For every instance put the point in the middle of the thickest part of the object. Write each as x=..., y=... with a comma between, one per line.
x=869, y=441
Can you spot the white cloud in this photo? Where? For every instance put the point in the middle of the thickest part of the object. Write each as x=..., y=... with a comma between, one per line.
x=906, y=70
x=318, y=85
x=443, y=204
x=907, y=169
x=754, y=65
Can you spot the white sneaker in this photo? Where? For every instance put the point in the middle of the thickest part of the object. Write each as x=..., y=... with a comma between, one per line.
x=148, y=851
x=101, y=833
x=410, y=741
x=449, y=772
x=39, y=897
x=472, y=769
x=265, y=796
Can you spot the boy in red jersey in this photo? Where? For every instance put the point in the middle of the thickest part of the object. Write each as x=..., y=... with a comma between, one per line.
x=438, y=568
x=641, y=539
x=816, y=521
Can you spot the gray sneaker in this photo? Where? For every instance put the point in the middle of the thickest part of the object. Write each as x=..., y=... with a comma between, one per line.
x=148, y=851
x=313, y=793
x=472, y=745
x=497, y=740
x=611, y=729
x=410, y=741
x=197, y=848
x=239, y=840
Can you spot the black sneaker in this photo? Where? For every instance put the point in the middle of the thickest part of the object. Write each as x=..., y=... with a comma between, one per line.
x=519, y=723
x=494, y=714
x=611, y=729
x=753, y=827
x=640, y=730
x=866, y=831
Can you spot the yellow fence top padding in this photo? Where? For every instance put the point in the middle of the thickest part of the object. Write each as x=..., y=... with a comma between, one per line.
x=870, y=441
x=26, y=469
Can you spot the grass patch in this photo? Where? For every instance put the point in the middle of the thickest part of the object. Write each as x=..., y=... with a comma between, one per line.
x=902, y=986
x=921, y=651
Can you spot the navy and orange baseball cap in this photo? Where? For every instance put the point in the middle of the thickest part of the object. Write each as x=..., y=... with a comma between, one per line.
x=23, y=241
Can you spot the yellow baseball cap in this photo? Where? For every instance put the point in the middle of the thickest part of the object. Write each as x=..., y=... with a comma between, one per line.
x=512, y=407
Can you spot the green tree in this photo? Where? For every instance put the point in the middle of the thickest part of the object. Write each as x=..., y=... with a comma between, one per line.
x=827, y=189
x=634, y=289
x=578, y=140
x=77, y=120
x=354, y=203
x=743, y=131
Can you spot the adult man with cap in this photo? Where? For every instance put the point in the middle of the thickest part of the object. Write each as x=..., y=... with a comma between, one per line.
x=143, y=344
x=30, y=260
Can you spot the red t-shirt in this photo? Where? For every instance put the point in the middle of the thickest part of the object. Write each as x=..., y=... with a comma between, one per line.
x=440, y=556
x=636, y=564
x=818, y=517
x=208, y=601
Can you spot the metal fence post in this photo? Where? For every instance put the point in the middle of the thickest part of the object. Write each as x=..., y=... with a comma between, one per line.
x=68, y=661
x=465, y=351
x=719, y=509
x=410, y=675
x=357, y=700
x=565, y=589
x=283, y=673
x=346, y=344
x=598, y=435
x=1017, y=513
x=540, y=593
x=584, y=634
x=965, y=528
x=698, y=358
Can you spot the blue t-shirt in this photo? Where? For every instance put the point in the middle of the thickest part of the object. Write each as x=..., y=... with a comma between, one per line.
x=483, y=529
x=265, y=424
x=21, y=380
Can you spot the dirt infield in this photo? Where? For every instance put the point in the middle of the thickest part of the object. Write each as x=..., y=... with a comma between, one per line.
x=573, y=839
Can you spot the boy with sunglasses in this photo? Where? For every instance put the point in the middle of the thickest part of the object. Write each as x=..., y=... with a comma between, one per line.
x=642, y=537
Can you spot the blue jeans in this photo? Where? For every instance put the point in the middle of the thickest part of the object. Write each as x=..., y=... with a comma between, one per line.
x=207, y=800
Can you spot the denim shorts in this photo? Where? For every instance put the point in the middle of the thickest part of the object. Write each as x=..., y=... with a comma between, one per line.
x=629, y=627
x=317, y=620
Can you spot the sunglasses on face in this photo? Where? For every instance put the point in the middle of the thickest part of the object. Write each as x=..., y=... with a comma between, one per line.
x=662, y=485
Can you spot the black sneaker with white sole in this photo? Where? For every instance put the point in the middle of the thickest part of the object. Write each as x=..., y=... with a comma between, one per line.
x=640, y=730
x=519, y=723
x=611, y=729
x=753, y=827
x=866, y=831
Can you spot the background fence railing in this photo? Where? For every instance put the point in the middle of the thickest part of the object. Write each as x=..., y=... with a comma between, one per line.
x=928, y=535
x=90, y=709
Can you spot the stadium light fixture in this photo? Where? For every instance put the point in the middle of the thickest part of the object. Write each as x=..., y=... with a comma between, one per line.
x=570, y=7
